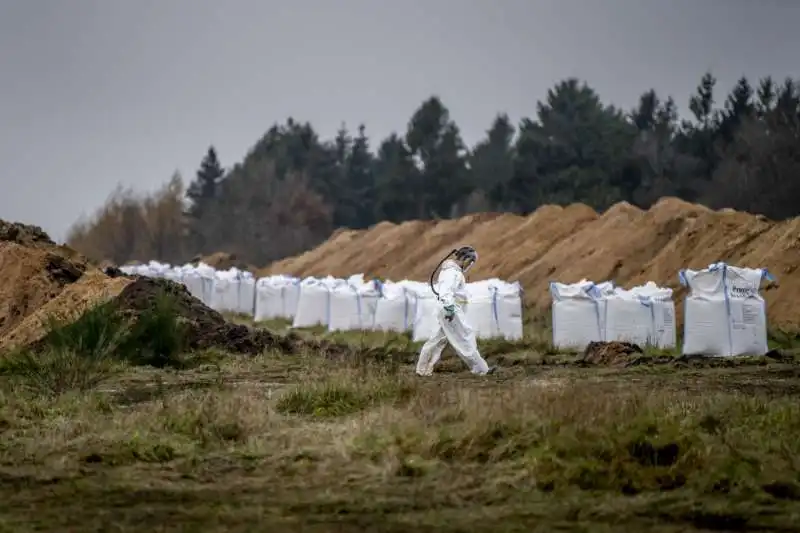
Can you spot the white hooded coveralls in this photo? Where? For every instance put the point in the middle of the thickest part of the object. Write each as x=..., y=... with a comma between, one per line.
x=452, y=288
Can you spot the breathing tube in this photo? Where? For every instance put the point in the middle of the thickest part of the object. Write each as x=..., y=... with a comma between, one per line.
x=445, y=258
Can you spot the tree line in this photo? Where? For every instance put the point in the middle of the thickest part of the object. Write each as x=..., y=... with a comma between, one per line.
x=293, y=189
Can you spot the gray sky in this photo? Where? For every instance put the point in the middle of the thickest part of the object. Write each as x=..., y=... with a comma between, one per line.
x=99, y=92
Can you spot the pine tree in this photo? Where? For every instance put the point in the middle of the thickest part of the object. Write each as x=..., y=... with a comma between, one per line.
x=202, y=194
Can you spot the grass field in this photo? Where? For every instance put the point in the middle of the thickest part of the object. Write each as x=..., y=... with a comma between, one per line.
x=212, y=442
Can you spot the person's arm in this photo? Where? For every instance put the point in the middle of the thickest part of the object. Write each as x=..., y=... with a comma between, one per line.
x=448, y=283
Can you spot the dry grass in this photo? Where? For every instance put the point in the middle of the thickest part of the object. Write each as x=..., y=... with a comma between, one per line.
x=278, y=444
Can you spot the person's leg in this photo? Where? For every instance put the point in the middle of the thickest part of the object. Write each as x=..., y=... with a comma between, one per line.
x=462, y=337
x=431, y=352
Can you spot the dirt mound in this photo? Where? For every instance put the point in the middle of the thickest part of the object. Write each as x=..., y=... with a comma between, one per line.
x=92, y=288
x=45, y=282
x=40, y=279
x=624, y=244
x=31, y=278
x=24, y=234
x=611, y=353
x=207, y=328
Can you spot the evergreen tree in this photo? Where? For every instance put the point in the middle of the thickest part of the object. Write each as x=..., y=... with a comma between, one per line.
x=294, y=188
x=202, y=194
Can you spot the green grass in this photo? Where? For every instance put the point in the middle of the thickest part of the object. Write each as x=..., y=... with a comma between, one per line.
x=304, y=441
x=344, y=393
x=98, y=437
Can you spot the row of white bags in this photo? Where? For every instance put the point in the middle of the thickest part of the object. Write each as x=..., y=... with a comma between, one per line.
x=584, y=312
x=494, y=310
x=725, y=314
x=230, y=290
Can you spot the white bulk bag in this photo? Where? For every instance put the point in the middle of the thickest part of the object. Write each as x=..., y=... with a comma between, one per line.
x=221, y=290
x=291, y=297
x=725, y=313
x=507, y=311
x=194, y=284
x=369, y=295
x=276, y=297
x=643, y=315
x=230, y=297
x=353, y=306
x=395, y=310
x=313, y=306
x=578, y=313
x=345, y=309
x=495, y=309
x=479, y=311
x=246, y=294
x=269, y=300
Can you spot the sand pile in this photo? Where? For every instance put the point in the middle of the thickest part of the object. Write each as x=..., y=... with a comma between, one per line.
x=625, y=244
x=31, y=278
x=91, y=289
x=42, y=279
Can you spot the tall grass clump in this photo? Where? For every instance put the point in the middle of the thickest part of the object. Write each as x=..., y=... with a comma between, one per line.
x=80, y=354
x=72, y=355
x=54, y=371
x=348, y=391
x=158, y=335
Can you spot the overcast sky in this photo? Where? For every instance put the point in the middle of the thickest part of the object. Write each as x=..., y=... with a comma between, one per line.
x=100, y=92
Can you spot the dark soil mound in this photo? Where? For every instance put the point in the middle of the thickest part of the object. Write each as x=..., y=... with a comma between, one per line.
x=114, y=272
x=611, y=353
x=24, y=234
x=209, y=329
x=62, y=270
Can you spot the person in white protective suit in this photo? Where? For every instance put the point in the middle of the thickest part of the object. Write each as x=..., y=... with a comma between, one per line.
x=453, y=327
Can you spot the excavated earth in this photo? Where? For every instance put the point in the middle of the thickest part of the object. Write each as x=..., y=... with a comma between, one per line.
x=624, y=244
x=44, y=281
